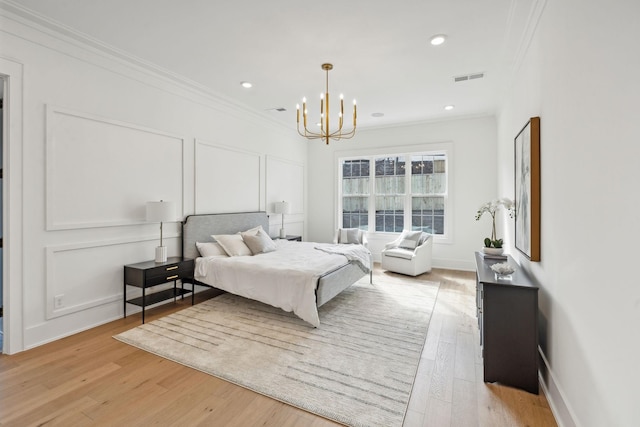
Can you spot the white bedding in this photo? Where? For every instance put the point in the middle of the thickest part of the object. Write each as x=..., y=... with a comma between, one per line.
x=285, y=278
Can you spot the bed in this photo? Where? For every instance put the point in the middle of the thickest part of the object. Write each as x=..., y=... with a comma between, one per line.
x=297, y=276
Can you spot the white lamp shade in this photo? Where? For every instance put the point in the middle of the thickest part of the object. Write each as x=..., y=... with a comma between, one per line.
x=282, y=207
x=161, y=211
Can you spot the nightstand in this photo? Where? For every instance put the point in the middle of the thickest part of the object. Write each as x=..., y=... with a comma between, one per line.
x=150, y=273
x=291, y=238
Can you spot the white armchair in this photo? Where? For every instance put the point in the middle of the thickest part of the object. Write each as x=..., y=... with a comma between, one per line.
x=351, y=235
x=399, y=257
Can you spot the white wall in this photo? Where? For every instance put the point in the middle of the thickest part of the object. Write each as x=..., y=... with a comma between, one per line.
x=472, y=179
x=579, y=75
x=100, y=138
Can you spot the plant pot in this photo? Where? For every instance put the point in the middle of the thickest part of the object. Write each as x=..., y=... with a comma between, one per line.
x=492, y=251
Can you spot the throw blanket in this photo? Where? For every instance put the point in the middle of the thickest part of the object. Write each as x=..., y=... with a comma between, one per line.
x=356, y=253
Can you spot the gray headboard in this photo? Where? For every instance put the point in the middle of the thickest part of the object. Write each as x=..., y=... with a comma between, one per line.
x=199, y=228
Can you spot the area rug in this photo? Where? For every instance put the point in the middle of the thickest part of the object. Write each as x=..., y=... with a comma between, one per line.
x=357, y=368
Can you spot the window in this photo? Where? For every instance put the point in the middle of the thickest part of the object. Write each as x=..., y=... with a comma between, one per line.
x=428, y=192
x=400, y=191
x=355, y=194
x=390, y=194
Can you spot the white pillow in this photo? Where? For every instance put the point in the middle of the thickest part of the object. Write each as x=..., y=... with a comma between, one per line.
x=210, y=249
x=349, y=235
x=253, y=231
x=232, y=244
x=259, y=243
x=409, y=239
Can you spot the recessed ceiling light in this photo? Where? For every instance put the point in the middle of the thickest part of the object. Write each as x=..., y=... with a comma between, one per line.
x=246, y=85
x=438, y=39
x=449, y=107
x=377, y=114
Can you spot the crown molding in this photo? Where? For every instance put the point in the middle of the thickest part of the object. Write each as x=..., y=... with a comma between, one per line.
x=79, y=40
x=530, y=26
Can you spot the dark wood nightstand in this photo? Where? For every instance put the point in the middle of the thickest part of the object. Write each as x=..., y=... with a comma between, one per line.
x=291, y=238
x=150, y=273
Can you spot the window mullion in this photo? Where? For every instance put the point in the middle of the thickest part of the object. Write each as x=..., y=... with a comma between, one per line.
x=372, y=194
x=408, y=205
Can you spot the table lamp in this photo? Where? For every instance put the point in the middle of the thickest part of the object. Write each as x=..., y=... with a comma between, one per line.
x=161, y=212
x=282, y=208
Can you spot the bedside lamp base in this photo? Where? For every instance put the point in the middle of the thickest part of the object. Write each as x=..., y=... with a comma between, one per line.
x=161, y=254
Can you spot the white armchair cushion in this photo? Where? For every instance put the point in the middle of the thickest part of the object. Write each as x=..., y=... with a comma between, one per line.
x=400, y=253
x=410, y=239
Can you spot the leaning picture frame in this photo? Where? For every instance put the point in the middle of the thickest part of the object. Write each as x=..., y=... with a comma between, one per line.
x=527, y=189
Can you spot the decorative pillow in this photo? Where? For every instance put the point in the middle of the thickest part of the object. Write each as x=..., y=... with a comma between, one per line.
x=259, y=243
x=210, y=249
x=349, y=235
x=232, y=244
x=253, y=231
x=409, y=239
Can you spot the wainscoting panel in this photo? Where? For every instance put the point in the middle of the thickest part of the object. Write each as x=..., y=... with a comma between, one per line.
x=226, y=179
x=101, y=172
x=285, y=181
x=87, y=275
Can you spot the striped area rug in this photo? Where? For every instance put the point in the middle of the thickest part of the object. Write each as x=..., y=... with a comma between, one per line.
x=357, y=368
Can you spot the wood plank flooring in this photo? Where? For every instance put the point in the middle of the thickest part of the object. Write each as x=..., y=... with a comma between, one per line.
x=92, y=379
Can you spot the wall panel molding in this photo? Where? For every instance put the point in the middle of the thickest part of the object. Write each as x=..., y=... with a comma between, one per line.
x=101, y=172
x=285, y=180
x=226, y=179
x=90, y=284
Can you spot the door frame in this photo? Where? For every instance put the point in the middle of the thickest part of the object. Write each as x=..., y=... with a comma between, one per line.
x=12, y=73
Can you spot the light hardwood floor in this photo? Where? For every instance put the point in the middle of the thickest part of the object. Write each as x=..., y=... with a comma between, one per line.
x=92, y=379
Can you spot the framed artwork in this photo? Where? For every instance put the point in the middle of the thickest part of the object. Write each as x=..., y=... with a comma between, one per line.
x=527, y=189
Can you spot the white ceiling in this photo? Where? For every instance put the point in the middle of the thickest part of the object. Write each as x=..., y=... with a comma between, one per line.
x=380, y=49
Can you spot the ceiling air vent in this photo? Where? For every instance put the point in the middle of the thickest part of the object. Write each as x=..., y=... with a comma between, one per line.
x=466, y=77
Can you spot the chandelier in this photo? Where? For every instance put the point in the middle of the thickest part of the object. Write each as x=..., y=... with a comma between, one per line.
x=325, y=132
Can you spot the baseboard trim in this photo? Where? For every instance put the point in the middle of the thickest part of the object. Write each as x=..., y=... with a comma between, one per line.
x=561, y=411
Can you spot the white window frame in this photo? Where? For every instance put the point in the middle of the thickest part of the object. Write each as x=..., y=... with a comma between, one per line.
x=407, y=153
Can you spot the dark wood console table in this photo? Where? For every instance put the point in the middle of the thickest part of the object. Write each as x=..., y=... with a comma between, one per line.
x=507, y=311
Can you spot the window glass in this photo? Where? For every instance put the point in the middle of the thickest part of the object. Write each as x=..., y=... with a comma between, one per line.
x=428, y=187
x=355, y=194
x=391, y=193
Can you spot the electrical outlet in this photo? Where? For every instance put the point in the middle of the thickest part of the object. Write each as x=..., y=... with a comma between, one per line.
x=58, y=301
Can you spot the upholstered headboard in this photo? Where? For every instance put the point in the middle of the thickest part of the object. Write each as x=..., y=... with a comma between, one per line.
x=199, y=228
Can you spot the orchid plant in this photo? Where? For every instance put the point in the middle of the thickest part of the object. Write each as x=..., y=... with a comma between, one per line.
x=491, y=208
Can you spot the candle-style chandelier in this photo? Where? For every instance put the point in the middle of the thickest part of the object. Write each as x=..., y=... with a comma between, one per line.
x=325, y=132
